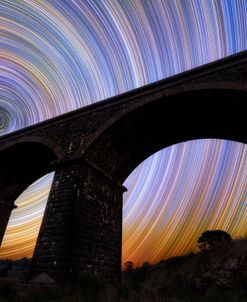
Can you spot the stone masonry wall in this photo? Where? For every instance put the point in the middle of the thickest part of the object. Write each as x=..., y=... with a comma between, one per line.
x=82, y=227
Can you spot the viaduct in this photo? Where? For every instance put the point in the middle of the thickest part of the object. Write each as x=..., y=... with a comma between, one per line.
x=92, y=150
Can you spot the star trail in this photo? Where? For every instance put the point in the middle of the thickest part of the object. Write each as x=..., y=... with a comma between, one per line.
x=57, y=56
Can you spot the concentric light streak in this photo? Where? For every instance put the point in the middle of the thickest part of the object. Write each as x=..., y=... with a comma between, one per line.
x=56, y=56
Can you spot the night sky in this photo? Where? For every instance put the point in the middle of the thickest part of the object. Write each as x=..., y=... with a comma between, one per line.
x=57, y=56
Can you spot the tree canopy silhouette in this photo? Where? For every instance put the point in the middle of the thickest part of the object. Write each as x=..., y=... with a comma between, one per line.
x=128, y=267
x=212, y=239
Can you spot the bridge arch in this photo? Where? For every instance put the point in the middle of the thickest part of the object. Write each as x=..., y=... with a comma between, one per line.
x=87, y=193
x=21, y=164
x=206, y=111
x=172, y=91
x=43, y=141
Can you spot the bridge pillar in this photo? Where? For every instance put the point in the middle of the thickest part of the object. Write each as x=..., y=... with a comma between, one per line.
x=5, y=211
x=82, y=226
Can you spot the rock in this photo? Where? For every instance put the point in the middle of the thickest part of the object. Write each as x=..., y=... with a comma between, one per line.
x=42, y=279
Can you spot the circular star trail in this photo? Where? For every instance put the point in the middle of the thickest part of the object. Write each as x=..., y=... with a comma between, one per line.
x=57, y=56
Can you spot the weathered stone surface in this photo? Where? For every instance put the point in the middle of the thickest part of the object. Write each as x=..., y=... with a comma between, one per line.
x=82, y=226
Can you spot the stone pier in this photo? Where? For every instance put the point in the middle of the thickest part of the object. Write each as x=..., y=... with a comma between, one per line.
x=82, y=226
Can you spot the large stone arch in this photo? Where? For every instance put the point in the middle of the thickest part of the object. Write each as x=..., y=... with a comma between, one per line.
x=87, y=190
x=136, y=101
x=21, y=164
x=43, y=141
x=177, y=116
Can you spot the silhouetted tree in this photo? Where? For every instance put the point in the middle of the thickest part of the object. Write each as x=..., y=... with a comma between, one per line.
x=142, y=272
x=212, y=239
x=128, y=267
x=4, y=272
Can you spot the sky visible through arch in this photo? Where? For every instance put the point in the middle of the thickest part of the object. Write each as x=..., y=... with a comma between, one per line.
x=57, y=56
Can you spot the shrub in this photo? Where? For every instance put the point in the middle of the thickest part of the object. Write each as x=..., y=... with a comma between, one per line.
x=212, y=239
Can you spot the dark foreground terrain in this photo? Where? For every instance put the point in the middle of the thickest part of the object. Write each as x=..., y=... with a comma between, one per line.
x=218, y=275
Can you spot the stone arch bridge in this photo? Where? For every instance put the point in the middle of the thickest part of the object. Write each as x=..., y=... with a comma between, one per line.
x=92, y=150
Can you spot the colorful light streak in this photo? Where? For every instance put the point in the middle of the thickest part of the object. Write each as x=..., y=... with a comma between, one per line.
x=56, y=56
